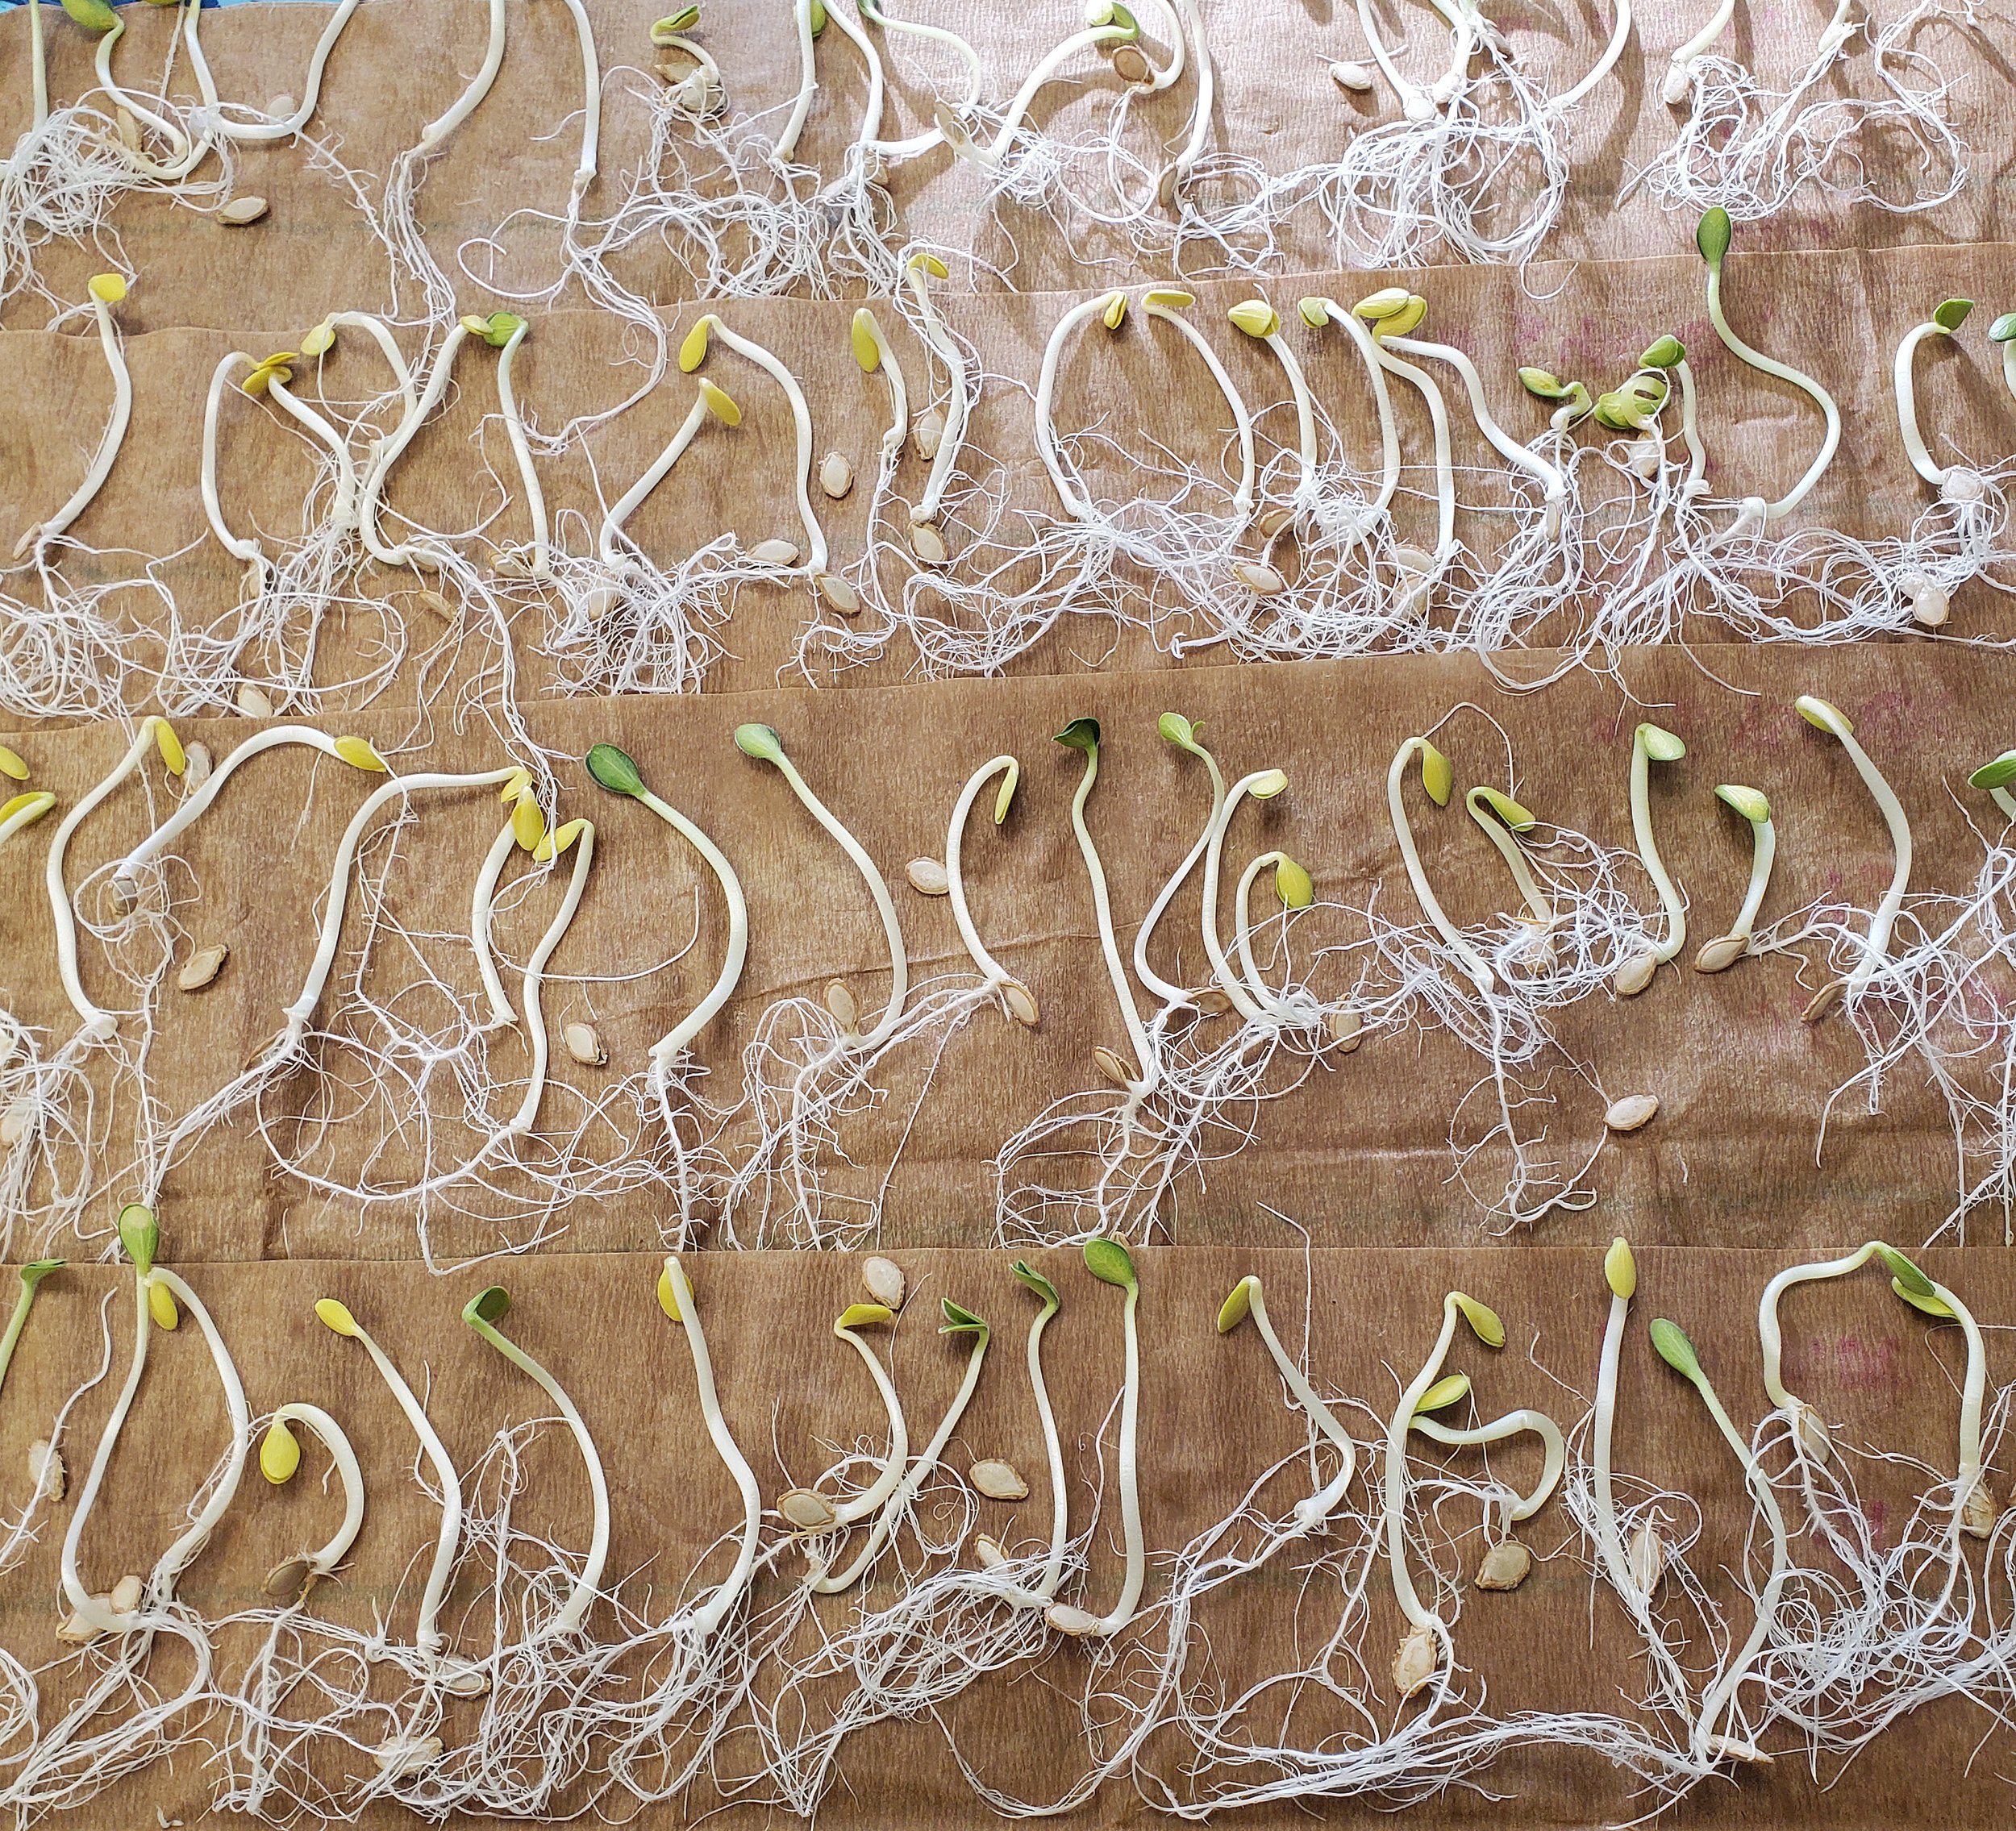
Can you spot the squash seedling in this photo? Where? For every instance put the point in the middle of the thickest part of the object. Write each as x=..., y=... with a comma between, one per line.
x=107, y=291
x=1726, y=950
x=1247, y=1299
x=1652, y=743
x=1875, y=952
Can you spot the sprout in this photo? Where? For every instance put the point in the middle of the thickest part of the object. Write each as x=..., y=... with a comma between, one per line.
x=1651, y=744
x=617, y=550
x=1246, y=1300
x=1726, y=950
x=106, y=290
x=1955, y=483
x=482, y=1312
x=1438, y=778
x=1709, y=1742
x=1995, y=776
x=996, y=980
x=1874, y=953
x=1110, y=1261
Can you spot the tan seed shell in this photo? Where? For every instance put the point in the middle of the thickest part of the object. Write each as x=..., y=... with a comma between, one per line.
x=1504, y=1565
x=253, y=703
x=1346, y=1029
x=583, y=1044
x=836, y=475
x=1722, y=953
x=1646, y=455
x=1635, y=975
x=1824, y=1001
x=928, y=878
x=46, y=1469
x=1354, y=78
x=1410, y=562
x=1067, y=1619
x=988, y=1551
x=196, y=769
x=1130, y=66
x=999, y=1480
x=1414, y=1664
x=774, y=553
x=928, y=433
x=1111, y=1065
x=1978, y=1511
x=201, y=967
x=126, y=1593
x=1632, y=1111
x=435, y=602
x=883, y=1280
x=600, y=601
x=840, y=593
x=75, y=1630
x=285, y=1581
x=1647, y=1557
x=1931, y=605
x=17, y=1122
x=403, y=1755
x=1213, y=1002
x=241, y=210
x=843, y=1005
x=1276, y=520
x=1021, y=1002
x=928, y=544
x=129, y=130
x=1262, y=580
x=804, y=1511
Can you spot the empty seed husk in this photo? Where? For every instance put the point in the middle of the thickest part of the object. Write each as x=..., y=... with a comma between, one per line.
x=201, y=967
x=1346, y=1029
x=1213, y=1002
x=883, y=1280
x=1354, y=78
x=928, y=878
x=1066, y=1620
x=804, y=1511
x=284, y=1582
x=1978, y=1511
x=253, y=702
x=435, y=602
x=1275, y=522
x=1259, y=577
x=1722, y=953
x=281, y=107
x=1111, y=1065
x=407, y=1754
x=1021, y=1002
x=988, y=1551
x=46, y=1469
x=597, y=603
x=1632, y=1111
x=1130, y=66
x=845, y=1009
x=584, y=1045
x=774, y=553
x=1635, y=975
x=1414, y=1664
x=836, y=475
x=1504, y=1565
x=125, y=1593
x=1647, y=1557
x=1931, y=603
x=16, y=1123
x=929, y=432
x=840, y=593
x=129, y=130
x=75, y=1630
x=1411, y=562
x=999, y=1480
x=196, y=769
x=928, y=544
x=1825, y=1000
x=241, y=210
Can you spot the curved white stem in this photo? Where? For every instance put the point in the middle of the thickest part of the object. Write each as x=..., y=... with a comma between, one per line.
x=670, y=1047
x=1784, y=371
x=109, y=441
x=467, y=103
x=349, y=1472
x=992, y=972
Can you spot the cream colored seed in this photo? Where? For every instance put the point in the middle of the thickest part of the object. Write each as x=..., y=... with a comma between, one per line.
x=129, y=130
x=435, y=602
x=75, y=1630
x=242, y=211
x=1275, y=522
x=1021, y=1002
x=840, y=593
x=19, y=1121
x=928, y=544
x=1111, y=1065
x=125, y=1593
x=999, y=1480
x=584, y=1045
x=1262, y=580
x=407, y=1754
x=774, y=553
x=1635, y=975
x=281, y=107
x=1410, y=562
x=1354, y=78
x=196, y=769
x=201, y=967
x=836, y=475
x=1632, y=1111
x=1130, y=66
x=1978, y=1511
x=1646, y=1558
x=1827, y=1000
x=1076, y=1622
x=46, y=1469
x=1722, y=953
x=929, y=433
x=928, y=878
x=1213, y=1002
x=600, y=601
x=804, y=1511
x=253, y=702
x=1504, y=1565
x=883, y=1280
x=843, y=1007
x=1414, y=1664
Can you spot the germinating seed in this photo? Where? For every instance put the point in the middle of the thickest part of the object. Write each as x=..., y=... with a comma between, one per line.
x=1111, y=1065
x=844, y=1008
x=839, y=592
x=774, y=553
x=928, y=544
x=1722, y=953
x=804, y=1511
x=1021, y=1002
